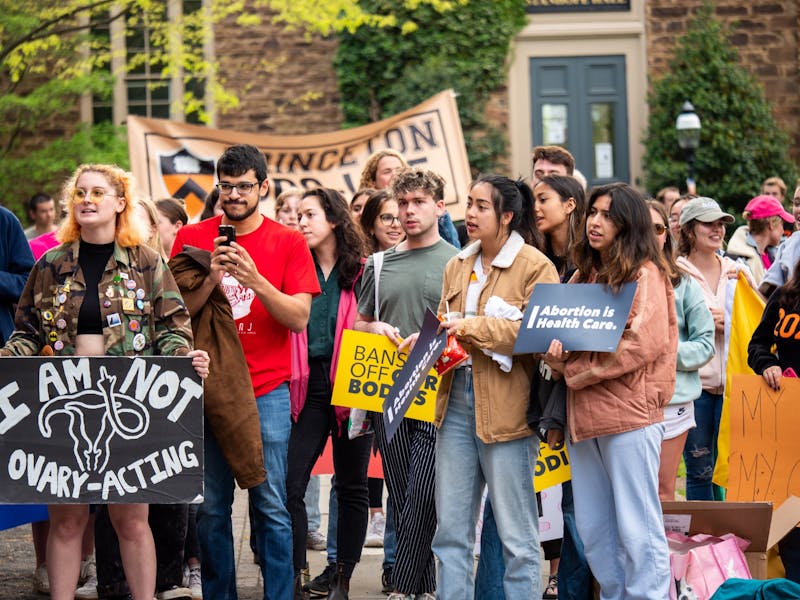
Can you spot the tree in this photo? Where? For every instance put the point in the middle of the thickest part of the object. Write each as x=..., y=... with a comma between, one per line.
x=740, y=142
x=53, y=53
x=385, y=72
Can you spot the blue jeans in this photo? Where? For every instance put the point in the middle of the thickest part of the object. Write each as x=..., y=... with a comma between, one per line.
x=311, y=500
x=574, y=576
x=618, y=512
x=333, y=519
x=463, y=464
x=273, y=527
x=700, y=451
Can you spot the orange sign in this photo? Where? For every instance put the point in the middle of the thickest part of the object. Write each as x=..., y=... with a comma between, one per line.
x=176, y=159
x=765, y=445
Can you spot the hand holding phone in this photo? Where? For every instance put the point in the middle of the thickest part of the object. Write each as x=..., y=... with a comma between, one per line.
x=229, y=233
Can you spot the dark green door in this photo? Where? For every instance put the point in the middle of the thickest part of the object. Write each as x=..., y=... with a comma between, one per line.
x=579, y=103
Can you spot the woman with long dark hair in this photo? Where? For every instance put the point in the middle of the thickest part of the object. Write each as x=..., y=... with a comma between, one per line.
x=379, y=221
x=615, y=400
x=481, y=408
x=337, y=246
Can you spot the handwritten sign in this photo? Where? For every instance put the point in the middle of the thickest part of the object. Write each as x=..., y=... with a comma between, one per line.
x=100, y=430
x=368, y=366
x=765, y=446
x=413, y=374
x=583, y=316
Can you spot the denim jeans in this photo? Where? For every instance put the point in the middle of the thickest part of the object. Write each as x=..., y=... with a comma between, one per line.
x=333, y=519
x=491, y=568
x=700, y=452
x=273, y=527
x=463, y=464
x=311, y=500
x=618, y=512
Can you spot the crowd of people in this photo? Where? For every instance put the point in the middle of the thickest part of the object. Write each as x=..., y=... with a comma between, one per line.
x=261, y=311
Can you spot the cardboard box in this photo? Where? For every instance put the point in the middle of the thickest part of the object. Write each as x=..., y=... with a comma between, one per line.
x=754, y=521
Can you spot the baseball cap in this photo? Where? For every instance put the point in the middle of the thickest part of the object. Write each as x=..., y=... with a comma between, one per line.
x=763, y=207
x=704, y=209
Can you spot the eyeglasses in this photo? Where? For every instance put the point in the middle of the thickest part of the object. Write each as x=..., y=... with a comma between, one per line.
x=660, y=229
x=96, y=195
x=388, y=219
x=243, y=187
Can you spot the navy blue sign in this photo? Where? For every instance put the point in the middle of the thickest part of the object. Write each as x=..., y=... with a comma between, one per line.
x=100, y=430
x=410, y=378
x=582, y=316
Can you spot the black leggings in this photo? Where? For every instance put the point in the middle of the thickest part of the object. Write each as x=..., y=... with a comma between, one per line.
x=350, y=459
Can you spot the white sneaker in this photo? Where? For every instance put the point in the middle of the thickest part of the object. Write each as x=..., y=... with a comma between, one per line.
x=192, y=579
x=88, y=579
x=41, y=581
x=375, y=530
x=315, y=540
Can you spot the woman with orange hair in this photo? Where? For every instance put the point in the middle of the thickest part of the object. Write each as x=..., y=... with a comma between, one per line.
x=72, y=305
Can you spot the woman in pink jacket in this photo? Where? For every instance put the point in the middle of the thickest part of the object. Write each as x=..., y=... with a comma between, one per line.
x=615, y=401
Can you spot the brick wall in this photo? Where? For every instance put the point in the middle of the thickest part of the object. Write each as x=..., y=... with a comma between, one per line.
x=285, y=83
x=765, y=33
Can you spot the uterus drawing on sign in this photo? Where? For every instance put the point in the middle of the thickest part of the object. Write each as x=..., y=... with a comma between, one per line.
x=94, y=417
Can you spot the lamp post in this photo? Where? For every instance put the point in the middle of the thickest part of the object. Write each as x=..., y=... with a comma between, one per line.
x=688, y=126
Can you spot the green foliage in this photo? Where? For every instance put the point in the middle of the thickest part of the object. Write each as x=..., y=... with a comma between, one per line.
x=740, y=142
x=463, y=47
x=45, y=169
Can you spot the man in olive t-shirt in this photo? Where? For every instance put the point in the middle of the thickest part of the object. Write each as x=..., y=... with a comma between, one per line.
x=410, y=281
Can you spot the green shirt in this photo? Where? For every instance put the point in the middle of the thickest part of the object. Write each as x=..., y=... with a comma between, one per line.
x=322, y=320
x=410, y=282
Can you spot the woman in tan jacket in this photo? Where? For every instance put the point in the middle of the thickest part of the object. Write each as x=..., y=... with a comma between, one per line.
x=481, y=407
x=615, y=401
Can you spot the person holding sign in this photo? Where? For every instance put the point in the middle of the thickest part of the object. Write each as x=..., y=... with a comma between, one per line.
x=695, y=349
x=337, y=246
x=481, y=408
x=700, y=241
x=615, y=401
x=778, y=329
x=76, y=304
x=393, y=304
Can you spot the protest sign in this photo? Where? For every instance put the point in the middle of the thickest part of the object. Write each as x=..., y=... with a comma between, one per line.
x=552, y=467
x=100, y=430
x=551, y=518
x=413, y=374
x=764, y=460
x=582, y=316
x=176, y=159
x=368, y=366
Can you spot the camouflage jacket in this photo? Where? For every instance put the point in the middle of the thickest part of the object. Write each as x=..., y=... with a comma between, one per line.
x=141, y=309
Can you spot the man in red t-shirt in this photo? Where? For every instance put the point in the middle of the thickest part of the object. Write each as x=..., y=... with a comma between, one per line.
x=269, y=278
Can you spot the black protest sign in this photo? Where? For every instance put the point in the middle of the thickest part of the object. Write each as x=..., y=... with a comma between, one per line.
x=100, y=430
x=582, y=316
x=411, y=377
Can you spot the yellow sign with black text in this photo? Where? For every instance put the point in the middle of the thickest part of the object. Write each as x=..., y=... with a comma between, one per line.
x=368, y=365
x=552, y=467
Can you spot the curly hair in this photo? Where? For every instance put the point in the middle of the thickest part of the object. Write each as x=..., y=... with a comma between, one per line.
x=127, y=233
x=370, y=171
x=350, y=246
x=412, y=179
x=633, y=246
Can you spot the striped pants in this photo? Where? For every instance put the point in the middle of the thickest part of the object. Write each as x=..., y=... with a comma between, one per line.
x=409, y=470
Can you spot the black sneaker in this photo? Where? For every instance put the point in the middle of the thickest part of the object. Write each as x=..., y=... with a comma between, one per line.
x=386, y=581
x=321, y=584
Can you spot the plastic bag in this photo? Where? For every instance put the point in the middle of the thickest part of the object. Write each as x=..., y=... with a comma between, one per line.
x=359, y=423
x=701, y=563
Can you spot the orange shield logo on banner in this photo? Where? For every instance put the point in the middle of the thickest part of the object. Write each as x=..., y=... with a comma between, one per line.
x=188, y=177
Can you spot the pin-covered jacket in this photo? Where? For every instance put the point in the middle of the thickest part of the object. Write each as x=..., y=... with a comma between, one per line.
x=141, y=309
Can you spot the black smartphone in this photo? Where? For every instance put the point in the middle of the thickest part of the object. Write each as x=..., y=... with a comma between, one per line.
x=229, y=233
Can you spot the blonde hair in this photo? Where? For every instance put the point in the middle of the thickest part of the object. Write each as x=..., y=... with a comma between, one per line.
x=371, y=167
x=152, y=216
x=287, y=193
x=127, y=234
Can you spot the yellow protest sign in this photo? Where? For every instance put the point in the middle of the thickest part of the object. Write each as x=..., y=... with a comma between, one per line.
x=552, y=467
x=764, y=445
x=368, y=365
